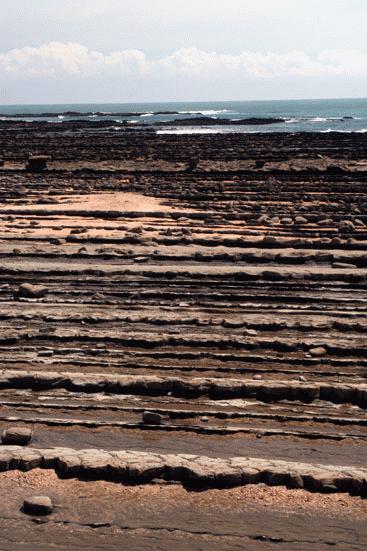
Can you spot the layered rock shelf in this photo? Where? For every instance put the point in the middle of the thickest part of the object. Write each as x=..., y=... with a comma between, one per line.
x=192, y=471
x=187, y=314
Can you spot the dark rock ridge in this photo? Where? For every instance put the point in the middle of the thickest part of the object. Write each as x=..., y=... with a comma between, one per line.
x=210, y=121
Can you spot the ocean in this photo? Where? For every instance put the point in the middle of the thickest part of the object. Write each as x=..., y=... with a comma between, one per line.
x=341, y=115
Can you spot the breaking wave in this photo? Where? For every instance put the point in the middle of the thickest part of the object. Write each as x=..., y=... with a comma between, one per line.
x=206, y=112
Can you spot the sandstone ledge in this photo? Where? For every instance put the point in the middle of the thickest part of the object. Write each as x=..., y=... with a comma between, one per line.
x=134, y=467
x=267, y=391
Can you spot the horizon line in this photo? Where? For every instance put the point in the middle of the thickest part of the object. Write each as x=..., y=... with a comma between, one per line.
x=184, y=101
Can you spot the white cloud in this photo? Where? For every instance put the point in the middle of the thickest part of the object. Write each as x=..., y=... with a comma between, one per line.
x=58, y=60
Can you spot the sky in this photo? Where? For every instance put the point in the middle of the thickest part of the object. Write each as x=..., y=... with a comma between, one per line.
x=100, y=51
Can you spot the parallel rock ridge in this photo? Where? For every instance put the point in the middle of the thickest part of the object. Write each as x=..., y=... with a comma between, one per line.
x=174, y=295
x=191, y=470
x=269, y=390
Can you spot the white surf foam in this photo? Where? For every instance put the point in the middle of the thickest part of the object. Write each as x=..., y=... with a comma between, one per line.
x=206, y=112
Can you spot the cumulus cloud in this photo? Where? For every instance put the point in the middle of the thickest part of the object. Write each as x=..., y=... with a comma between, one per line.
x=58, y=60
x=61, y=60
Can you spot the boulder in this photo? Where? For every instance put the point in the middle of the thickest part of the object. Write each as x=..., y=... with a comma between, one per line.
x=300, y=220
x=270, y=241
x=27, y=290
x=150, y=418
x=38, y=505
x=346, y=226
x=37, y=163
x=17, y=436
x=318, y=351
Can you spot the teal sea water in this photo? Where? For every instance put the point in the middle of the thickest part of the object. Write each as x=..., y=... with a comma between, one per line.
x=342, y=115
